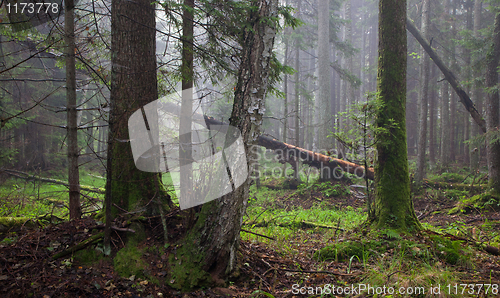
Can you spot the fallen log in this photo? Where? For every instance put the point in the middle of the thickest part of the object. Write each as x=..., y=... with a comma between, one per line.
x=313, y=159
x=79, y=246
x=26, y=176
x=457, y=186
x=449, y=76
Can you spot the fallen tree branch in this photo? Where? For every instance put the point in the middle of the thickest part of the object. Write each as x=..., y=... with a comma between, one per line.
x=308, y=157
x=79, y=246
x=314, y=271
x=457, y=186
x=449, y=76
x=26, y=176
x=250, y=232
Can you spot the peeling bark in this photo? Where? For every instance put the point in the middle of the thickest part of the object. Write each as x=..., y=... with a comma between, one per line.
x=208, y=252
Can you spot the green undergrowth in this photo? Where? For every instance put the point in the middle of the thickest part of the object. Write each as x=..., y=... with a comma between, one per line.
x=273, y=213
x=22, y=198
x=477, y=203
x=390, y=259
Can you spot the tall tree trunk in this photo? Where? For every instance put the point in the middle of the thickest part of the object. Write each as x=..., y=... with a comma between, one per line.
x=285, y=107
x=133, y=85
x=351, y=99
x=323, y=73
x=492, y=119
x=209, y=250
x=73, y=151
x=477, y=91
x=311, y=127
x=432, y=119
x=445, y=125
x=393, y=206
x=297, y=112
x=424, y=93
x=453, y=104
x=185, y=145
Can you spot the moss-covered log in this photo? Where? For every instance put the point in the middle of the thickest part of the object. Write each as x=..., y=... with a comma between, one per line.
x=8, y=224
x=26, y=176
x=457, y=186
x=79, y=246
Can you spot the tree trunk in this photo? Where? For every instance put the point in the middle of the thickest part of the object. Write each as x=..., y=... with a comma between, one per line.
x=185, y=145
x=133, y=85
x=208, y=252
x=285, y=106
x=492, y=143
x=432, y=119
x=323, y=74
x=73, y=151
x=477, y=91
x=445, y=126
x=393, y=207
x=424, y=93
x=296, y=166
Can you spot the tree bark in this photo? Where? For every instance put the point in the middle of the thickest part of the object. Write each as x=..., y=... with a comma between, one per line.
x=492, y=143
x=296, y=165
x=133, y=85
x=323, y=105
x=477, y=91
x=208, y=252
x=285, y=106
x=393, y=206
x=424, y=93
x=432, y=119
x=449, y=76
x=185, y=139
x=73, y=151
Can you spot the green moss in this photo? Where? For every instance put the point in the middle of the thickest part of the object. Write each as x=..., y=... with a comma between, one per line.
x=128, y=262
x=186, y=263
x=8, y=223
x=449, y=177
x=343, y=251
x=186, y=273
x=87, y=256
x=475, y=202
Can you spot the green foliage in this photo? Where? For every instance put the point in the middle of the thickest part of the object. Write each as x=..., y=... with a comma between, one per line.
x=450, y=251
x=448, y=177
x=359, y=134
x=344, y=251
x=477, y=202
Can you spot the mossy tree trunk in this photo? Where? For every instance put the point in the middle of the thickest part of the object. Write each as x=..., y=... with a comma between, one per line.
x=492, y=119
x=393, y=205
x=133, y=84
x=208, y=252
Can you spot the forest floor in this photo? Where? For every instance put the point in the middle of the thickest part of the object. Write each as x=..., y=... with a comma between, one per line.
x=284, y=263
